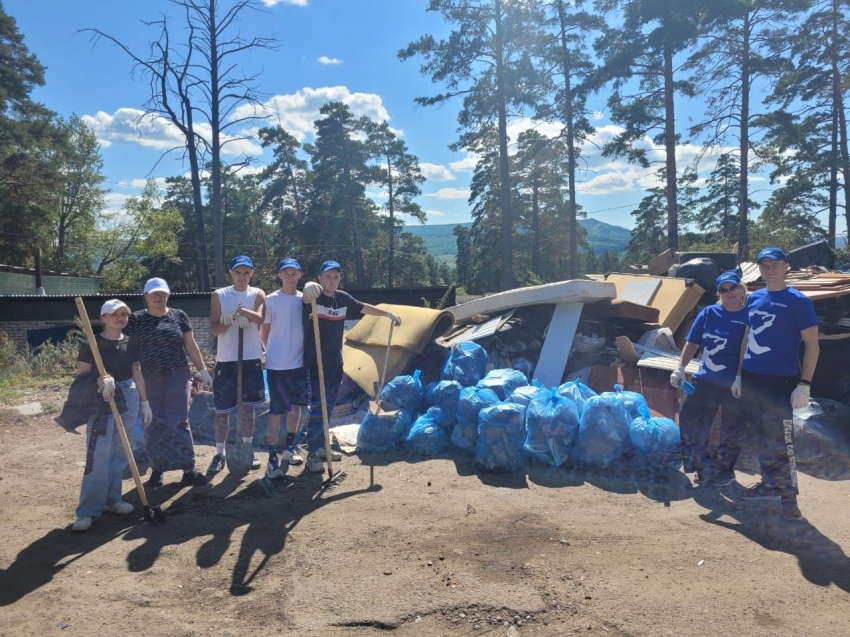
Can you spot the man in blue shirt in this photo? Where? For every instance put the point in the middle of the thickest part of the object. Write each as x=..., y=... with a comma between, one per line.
x=770, y=381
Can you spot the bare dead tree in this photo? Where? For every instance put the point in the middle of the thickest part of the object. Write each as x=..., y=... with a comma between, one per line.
x=199, y=79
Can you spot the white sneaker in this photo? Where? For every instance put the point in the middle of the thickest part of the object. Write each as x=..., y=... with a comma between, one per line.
x=315, y=464
x=82, y=524
x=120, y=507
x=292, y=458
x=335, y=455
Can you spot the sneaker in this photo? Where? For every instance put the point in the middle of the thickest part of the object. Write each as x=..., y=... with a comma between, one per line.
x=120, y=507
x=82, y=523
x=292, y=458
x=273, y=469
x=217, y=463
x=791, y=512
x=760, y=491
x=156, y=479
x=255, y=463
x=335, y=455
x=193, y=479
x=314, y=463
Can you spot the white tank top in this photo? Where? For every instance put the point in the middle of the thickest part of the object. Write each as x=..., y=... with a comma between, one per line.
x=228, y=343
x=285, y=346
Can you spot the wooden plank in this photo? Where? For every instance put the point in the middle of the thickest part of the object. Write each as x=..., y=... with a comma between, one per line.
x=557, y=344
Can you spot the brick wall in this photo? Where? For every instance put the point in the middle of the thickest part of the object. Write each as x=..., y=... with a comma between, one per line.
x=17, y=330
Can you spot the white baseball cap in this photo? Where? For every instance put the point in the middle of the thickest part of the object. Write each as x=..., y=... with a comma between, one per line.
x=156, y=285
x=112, y=306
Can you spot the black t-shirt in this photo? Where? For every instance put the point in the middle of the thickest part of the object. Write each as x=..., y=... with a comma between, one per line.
x=160, y=339
x=118, y=356
x=333, y=312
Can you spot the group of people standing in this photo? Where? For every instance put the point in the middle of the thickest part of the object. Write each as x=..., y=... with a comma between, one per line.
x=147, y=353
x=751, y=371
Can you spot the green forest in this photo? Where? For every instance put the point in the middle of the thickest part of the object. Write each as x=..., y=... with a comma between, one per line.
x=770, y=76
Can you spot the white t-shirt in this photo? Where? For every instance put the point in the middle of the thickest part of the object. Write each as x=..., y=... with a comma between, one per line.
x=285, y=347
x=228, y=343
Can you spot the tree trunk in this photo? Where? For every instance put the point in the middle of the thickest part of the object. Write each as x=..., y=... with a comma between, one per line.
x=198, y=206
x=215, y=132
x=571, y=150
x=744, y=146
x=535, y=227
x=392, y=220
x=838, y=105
x=670, y=144
x=504, y=171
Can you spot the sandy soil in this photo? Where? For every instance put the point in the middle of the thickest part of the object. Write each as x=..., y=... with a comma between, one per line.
x=411, y=547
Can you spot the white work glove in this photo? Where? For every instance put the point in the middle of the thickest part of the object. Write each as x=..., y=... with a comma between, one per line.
x=800, y=396
x=677, y=377
x=395, y=318
x=206, y=378
x=312, y=290
x=241, y=322
x=736, y=387
x=107, y=390
x=147, y=414
x=226, y=319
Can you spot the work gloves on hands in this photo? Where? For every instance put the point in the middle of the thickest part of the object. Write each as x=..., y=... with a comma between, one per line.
x=395, y=318
x=240, y=321
x=227, y=319
x=206, y=378
x=107, y=390
x=312, y=290
x=800, y=396
x=678, y=376
x=147, y=414
x=736, y=387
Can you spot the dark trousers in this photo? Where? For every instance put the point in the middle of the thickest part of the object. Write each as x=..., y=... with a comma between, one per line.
x=767, y=410
x=695, y=422
x=168, y=439
x=314, y=429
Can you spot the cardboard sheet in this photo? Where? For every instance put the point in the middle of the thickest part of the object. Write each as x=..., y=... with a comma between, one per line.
x=674, y=299
x=653, y=384
x=365, y=345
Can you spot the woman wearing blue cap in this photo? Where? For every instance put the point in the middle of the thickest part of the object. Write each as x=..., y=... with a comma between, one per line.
x=719, y=331
x=771, y=383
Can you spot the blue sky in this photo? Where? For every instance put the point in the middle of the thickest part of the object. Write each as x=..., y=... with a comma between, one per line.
x=328, y=49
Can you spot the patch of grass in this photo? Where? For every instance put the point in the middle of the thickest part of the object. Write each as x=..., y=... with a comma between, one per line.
x=24, y=373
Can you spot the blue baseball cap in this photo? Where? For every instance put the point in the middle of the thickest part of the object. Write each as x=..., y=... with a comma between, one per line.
x=330, y=265
x=728, y=277
x=774, y=254
x=235, y=262
x=289, y=262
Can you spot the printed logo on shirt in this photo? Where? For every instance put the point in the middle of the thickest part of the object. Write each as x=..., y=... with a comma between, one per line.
x=759, y=322
x=332, y=313
x=778, y=304
x=720, y=345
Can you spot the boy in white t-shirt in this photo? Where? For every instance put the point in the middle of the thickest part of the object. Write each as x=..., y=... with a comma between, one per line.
x=282, y=332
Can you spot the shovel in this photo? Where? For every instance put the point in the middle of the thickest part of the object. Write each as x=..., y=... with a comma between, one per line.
x=376, y=406
x=153, y=515
x=239, y=455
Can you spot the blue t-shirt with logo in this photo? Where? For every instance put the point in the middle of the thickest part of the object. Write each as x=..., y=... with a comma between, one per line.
x=720, y=335
x=776, y=320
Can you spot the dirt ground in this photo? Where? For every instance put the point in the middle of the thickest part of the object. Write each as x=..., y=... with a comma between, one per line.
x=410, y=547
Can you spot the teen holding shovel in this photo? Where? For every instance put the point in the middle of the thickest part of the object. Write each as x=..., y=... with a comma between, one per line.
x=105, y=459
x=333, y=307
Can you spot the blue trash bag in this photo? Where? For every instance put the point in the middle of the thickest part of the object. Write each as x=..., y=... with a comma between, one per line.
x=603, y=433
x=501, y=434
x=503, y=381
x=464, y=363
x=551, y=427
x=472, y=401
x=405, y=391
x=445, y=395
x=427, y=436
x=577, y=392
x=383, y=432
x=524, y=395
x=658, y=441
x=634, y=403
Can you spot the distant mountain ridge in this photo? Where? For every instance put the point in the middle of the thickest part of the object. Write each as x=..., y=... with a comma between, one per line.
x=441, y=243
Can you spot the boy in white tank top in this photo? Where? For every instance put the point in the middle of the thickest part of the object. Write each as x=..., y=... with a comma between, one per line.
x=231, y=308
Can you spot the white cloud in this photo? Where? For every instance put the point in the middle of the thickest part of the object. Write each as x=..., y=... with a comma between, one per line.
x=436, y=172
x=435, y=213
x=273, y=3
x=140, y=183
x=449, y=193
x=133, y=126
x=465, y=165
x=324, y=59
x=517, y=126
x=608, y=184
x=115, y=201
x=296, y=112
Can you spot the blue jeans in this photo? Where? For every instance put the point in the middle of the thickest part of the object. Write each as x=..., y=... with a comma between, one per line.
x=314, y=429
x=105, y=459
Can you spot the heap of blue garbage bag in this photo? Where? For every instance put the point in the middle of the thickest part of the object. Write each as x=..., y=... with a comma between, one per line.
x=506, y=421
